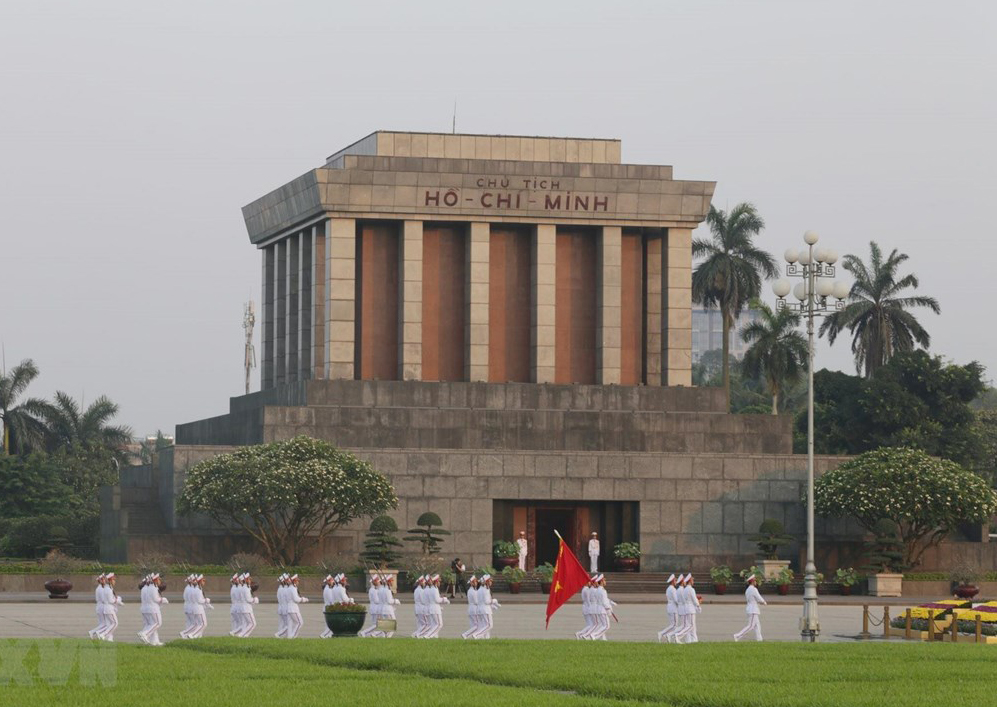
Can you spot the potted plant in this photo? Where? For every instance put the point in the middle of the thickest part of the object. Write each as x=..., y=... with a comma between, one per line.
x=770, y=537
x=515, y=577
x=345, y=620
x=721, y=577
x=545, y=575
x=380, y=548
x=59, y=566
x=846, y=579
x=965, y=578
x=884, y=553
x=783, y=580
x=755, y=571
x=506, y=553
x=627, y=557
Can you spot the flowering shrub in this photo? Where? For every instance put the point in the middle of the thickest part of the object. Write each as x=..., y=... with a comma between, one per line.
x=345, y=608
x=287, y=495
x=926, y=498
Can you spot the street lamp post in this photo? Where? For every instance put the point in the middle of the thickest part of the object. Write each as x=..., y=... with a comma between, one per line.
x=816, y=268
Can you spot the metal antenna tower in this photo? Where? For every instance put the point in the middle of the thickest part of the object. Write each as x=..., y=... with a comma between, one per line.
x=248, y=322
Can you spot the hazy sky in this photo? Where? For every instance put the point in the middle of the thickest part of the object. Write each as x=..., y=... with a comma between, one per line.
x=132, y=133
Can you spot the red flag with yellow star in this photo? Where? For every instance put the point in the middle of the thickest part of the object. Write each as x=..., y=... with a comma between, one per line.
x=569, y=577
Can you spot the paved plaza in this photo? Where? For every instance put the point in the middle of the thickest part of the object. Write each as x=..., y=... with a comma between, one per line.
x=516, y=619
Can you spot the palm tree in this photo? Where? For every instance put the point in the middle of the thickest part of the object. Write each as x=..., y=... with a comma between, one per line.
x=731, y=273
x=778, y=350
x=70, y=427
x=22, y=424
x=876, y=314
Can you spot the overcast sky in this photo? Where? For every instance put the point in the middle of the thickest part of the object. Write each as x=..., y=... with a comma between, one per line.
x=132, y=133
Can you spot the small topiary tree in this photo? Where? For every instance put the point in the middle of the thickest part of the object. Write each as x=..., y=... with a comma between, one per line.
x=425, y=534
x=381, y=543
x=885, y=552
x=771, y=536
x=925, y=498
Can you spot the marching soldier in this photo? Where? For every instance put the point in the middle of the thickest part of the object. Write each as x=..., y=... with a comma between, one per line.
x=247, y=617
x=388, y=602
x=435, y=605
x=587, y=610
x=472, y=607
x=294, y=620
x=282, y=624
x=688, y=608
x=99, y=598
x=188, y=606
x=603, y=609
x=419, y=604
x=594, y=553
x=152, y=615
x=486, y=606
x=111, y=603
x=328, y=598
x=752, y=598
x=374, y=605
x=235, y=598
x=671, y=609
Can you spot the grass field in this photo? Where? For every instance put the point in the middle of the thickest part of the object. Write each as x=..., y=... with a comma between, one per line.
x=558, y=673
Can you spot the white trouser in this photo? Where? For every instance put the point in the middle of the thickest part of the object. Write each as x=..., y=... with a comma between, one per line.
x=247, y=623
x=589, y=626
x=522, y=562
x=153, y=620
x=426, y=627
x=294, y=622
x=601, y=626
x=593, y=563
x=435, y=625
x=200, y=622
x=97, y=630
x=667, y=631
x=236, y=618
x=372, y=629
x=110, y=625
x=487, y=622
x=472, y=626
x=188, y=626
x=685, y=629
x=753, y=625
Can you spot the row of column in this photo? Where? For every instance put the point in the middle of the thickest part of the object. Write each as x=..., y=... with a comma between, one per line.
x=310, y=304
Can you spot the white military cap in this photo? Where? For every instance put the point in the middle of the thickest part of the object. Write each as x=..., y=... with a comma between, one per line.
x=235, y=577
x=109, y=575
x=200, y=577
x=294, y=577
x=155, y=575
x=100, y=576
x=485, y=577
x=751, y=578
x=671, y=578
x=594, y=578
x=601, y=577
x=244, y=575
x=472, y=578
x=328, y=577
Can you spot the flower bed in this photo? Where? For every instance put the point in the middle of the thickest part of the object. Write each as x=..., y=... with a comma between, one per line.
x=987, y=611
x=940, y=608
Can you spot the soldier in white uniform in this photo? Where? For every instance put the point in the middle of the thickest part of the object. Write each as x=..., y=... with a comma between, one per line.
x=388, y=602
x=152, y=601
x=472, y=607
x=688, y=608
x=188, y=606
x=594, y=553
x=419, y=607
x=487, y=605
x=603, y=609
x=199, y=603
x=111, y=603
x=294, y=620
x=435, y=605
x=523, y=549
x=235, y=602
x=671, y=609
x=587, y=610
x=329, y=598
x=752, y=598
x=247, y=617
x=373, y=605
x=99, y=599
x=282, y=625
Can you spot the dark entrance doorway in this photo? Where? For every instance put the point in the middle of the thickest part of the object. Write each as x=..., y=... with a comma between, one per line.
x=548, y=520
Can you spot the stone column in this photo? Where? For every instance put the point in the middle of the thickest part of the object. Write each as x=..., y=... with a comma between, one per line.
x=267, y=312
x=319, y=235
x=607, y=333
x=305, y=270
x=653, y=316
x=678, y=307
x=410, y=304
x=476, y=326
x=542, y=298
x=340, y=274
x=280, y=314
x=292, y=283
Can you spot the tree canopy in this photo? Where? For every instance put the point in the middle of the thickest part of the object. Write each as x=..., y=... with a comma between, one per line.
x=926, y=498
x=778, y=352
x=288, y=495
x=20, y=417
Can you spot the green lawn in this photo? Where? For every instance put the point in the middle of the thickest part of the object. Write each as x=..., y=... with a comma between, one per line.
x=410, y=672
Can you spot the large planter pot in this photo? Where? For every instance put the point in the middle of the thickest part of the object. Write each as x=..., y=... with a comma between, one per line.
x=886, y=585
x=58, y=588
x=772, y=568
x=846, y=590
x=783, y=589
x=545, y=587
x=626, y=564
x=345, y=624
x=503, y=562
x=720, y=588
x=514, y=587
x=966, y=591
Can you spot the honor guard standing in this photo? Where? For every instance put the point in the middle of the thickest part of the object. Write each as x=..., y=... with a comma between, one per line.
x=435, y=602
x=472, y=607
x=487, y=606
x=752, y=598
x=671, y=609
x=586, y=593
x=374, y=605
x=247, y=616
x=294, y=620
x=235, y=599
x=282, y=582
x=328, y=597
x=523, y=549
x=151, y=608
x=111, y=603
x=388, y=603
x=419, y=607
x=99, y=598
x=603, y=609
x=594, y=553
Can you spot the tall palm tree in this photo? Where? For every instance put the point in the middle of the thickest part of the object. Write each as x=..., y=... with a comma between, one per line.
x=731, y=272
x=778, y=350
x=21, y=420
x=876, y=313
x=69, y=426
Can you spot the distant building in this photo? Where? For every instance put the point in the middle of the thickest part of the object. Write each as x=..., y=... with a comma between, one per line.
x=707, y=332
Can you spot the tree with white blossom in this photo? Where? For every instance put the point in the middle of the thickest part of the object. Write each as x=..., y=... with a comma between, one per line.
x=288, y=495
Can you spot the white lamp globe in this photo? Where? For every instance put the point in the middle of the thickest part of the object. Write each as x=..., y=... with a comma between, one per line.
x=800, y=291
x=824, y=287
x=820, y=255
x=804, y=257
x=810, y=237
x=791, y=255
x=781, y=287
x=841, y=290
x=830, y=256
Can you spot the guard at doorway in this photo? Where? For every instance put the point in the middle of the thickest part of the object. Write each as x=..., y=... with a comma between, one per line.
x=594, y=553
x=523, y=549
